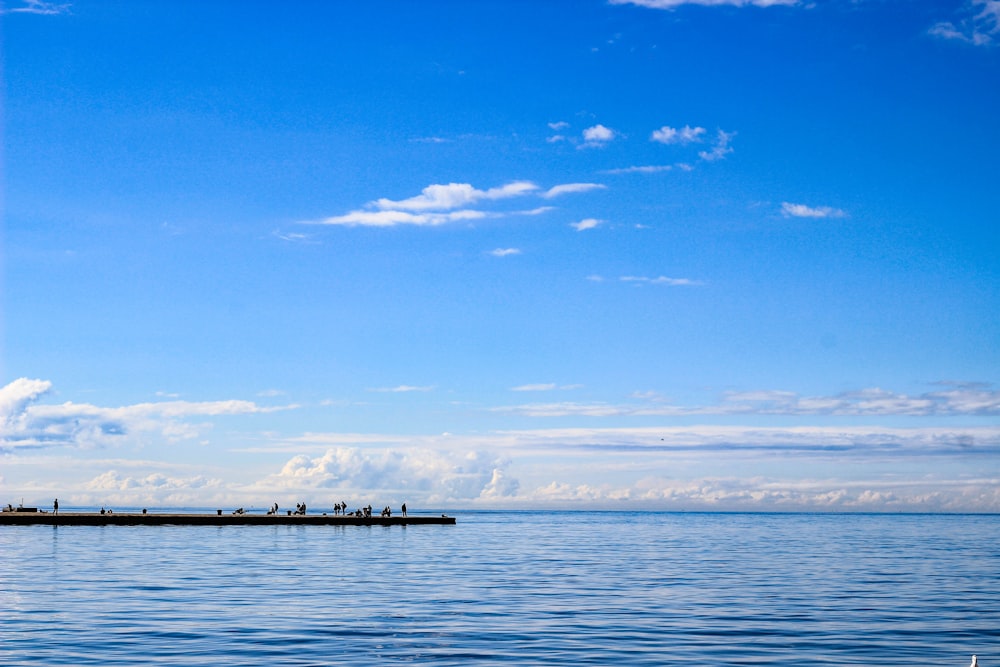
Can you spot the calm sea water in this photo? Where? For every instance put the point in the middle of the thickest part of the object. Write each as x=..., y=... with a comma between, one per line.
x=523, y=588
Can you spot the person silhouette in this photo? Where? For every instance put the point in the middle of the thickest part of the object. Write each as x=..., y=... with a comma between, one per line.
x=55, y=506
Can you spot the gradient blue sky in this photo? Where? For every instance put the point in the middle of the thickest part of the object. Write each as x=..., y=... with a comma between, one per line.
x=706, y=254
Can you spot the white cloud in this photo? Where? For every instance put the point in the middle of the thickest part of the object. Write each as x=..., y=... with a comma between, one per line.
x=587, y=223
x=23, y=424
x=293, y=237
x=38, y=7
x=673, y=4
x=454, y=195
x=790, y=210
x=113, y=481
x=443, y=204
x=535, y=211
x=433, y=475
x=393, y=218
x=432, y=140
x=16, y=396
x=962, y=400
x=772, y=494
x=402, y=389
x=650, y=466
x=546, y=386
x=598, y=135
x=721, y=148
x=979, y=27
x=670, y=135
x=570, y=188
x=661, y=280
x=559, y=125
x=505, y=252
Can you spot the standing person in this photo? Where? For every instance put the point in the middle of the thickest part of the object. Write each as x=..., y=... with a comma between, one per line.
x=404, y=509
x=55, y=506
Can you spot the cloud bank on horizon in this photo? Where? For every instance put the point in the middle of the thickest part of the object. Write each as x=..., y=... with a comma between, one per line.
x=485, y=468
x=666, y=254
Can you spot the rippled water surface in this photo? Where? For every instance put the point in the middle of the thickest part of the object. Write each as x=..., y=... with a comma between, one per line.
x=509, y=587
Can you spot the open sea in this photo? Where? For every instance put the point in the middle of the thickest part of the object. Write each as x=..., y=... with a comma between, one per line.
x=518, y=588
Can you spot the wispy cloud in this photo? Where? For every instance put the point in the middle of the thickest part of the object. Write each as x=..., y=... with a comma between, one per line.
x=587, y=223
x=790, y=210
x=293, y=237
x=402, y=389
x=721, y=148
x=547, y=386
x=673, y=4
x=393, y=218
x=979, y=27
x=644, y=169
x=661, y=280
x=866, y=402
x=671, y=135
x=572, y=188
x=26, y=424
x=432, y=140
x=37, y=7
x=760, y=493
x=441, y=204
x=505, y=252
x=454, y=195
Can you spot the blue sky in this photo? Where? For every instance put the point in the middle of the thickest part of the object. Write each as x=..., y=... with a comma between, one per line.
x=669, y=254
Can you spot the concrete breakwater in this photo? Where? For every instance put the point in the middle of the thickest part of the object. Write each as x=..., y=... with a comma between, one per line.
x=217, y=519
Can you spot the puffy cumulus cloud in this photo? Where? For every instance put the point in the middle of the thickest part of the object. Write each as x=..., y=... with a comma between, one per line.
x=790, y=210
x=979, y=26
x=26, y=424
x=154, y=489
x=597, y=135
x=430, y=475
x=673, y=4
x=672, y=135
x=501, y=485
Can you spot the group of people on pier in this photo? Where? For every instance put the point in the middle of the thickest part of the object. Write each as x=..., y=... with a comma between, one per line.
x=339, y=509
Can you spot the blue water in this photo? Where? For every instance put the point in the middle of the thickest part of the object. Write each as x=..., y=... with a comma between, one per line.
x=523, y=588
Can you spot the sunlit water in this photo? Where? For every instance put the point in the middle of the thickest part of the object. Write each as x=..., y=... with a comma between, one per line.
x=576, y=588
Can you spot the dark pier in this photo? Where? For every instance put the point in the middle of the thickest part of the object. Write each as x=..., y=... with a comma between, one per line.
x=218, y=519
